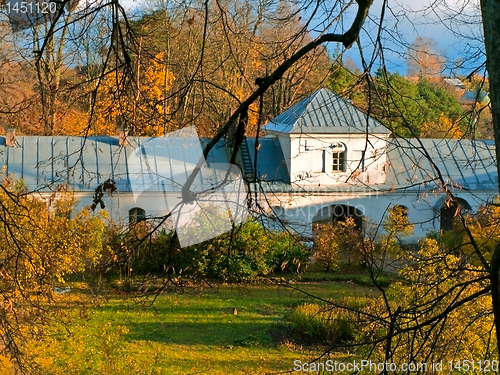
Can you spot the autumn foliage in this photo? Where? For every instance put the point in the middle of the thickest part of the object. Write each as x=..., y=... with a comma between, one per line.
x=43, y=241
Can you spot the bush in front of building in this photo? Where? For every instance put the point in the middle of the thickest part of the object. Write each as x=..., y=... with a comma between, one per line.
x=340, y=241
x=243, y=254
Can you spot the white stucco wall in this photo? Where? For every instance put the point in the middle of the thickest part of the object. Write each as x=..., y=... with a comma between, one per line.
x=118, y=205
x=303, y=154
x=299, y=209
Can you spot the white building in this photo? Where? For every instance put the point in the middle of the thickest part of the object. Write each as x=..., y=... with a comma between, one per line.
x=321, y=159
x=329, y=159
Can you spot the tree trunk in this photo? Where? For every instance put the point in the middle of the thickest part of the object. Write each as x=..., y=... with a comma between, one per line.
x=490, y=10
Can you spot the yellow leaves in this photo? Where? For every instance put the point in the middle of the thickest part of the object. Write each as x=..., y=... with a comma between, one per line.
x=439, y=276
x=41, y=241
x=253, y=116
x=342, y=236
x=485, y=227
x=138, y=102
x=444, y=128
x=158, y=81
x=397, y=221
x=73, y=123
x=440, y=284
x=107, y=107
x=442, y=263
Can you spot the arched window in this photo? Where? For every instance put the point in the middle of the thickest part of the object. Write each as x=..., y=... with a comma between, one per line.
x=449, y=212
x=136, y=214
x=340, y=212
x=398, y=219
x=338, y=157
x=399, y=209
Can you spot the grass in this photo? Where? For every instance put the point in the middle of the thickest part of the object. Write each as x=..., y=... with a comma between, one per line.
x=350, y=273
x=191, y=333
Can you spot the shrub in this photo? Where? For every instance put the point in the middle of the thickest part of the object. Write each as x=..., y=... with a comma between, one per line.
x=287, y=255
x=133, y=251
x=325, y=322
x=44, y=241
x=341, y=238
x=307, y=319
x=247, y=252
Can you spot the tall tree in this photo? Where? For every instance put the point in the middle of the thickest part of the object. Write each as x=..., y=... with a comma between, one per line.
x=490, y=11
x=50, y=50
x=423, y=59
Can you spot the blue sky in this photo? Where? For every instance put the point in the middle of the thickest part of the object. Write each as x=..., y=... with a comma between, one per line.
x=453, y=24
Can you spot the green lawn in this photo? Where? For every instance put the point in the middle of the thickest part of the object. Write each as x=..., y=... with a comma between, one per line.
x=190, y=333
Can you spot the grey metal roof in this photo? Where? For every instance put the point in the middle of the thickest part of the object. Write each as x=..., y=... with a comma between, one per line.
x=84, y=163
x=464, y=164
x=455, y=82
x=471, y=96
x=151, y=164
x=324, y=112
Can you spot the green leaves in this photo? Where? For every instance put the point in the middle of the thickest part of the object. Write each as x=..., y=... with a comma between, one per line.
x=406, y=107
x=246, y=252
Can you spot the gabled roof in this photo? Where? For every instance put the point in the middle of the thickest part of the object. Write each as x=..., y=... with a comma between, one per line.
x=471, y=96
x=324, y=113
x=83, y=164
x=455, y=82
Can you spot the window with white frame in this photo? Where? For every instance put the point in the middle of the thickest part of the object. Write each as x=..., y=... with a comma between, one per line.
x=338, y=163
x=338, y=157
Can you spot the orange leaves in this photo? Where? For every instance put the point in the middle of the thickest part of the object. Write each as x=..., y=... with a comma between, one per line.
x=138, y=103
x=424, y=59
x=158, y=80
x=444, y=128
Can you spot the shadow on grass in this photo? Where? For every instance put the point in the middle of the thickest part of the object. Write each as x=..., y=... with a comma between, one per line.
x=231, y=333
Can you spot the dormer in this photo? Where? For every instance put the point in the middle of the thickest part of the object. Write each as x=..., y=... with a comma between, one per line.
x=326, y=141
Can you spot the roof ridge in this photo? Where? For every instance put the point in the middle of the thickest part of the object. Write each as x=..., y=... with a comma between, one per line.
x=326, y=112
